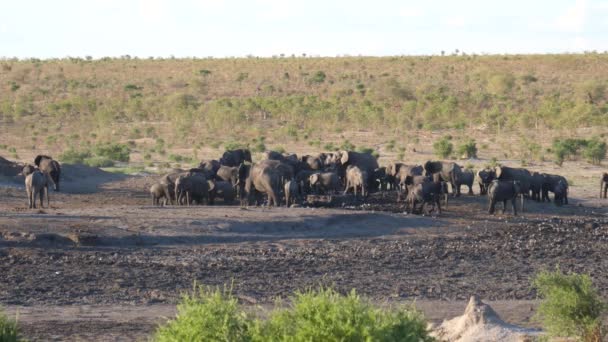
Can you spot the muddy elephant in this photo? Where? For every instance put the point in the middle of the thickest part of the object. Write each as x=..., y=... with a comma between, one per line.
x=302, y=178
x=450, y=172
x=228, y=174
x=467, y=178
x=314, y=163
x=212, y=166
x=324, y=182
x=427, y=192
x=550, y=183
x=292, y=193
x=51, y=167
x=221, y=189
x=366, y=162
x=484, y=178
x=28, y=169
x=380, y=179
x=401, y=173
x=159, y=192
x=604, y=185
x=191, y=187
x=356, y=179
x=235, y=157
x=259, y=179
x=560, y=193
x=503, y=191
x=37, y=185
x=168, y=184
x=285, y=171
x=536, y=186
x=523, y=176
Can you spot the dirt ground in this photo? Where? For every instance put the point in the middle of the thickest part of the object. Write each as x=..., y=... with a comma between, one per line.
x=104, y=264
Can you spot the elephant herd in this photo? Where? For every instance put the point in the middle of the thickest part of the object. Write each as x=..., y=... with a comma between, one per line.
x=46, y=171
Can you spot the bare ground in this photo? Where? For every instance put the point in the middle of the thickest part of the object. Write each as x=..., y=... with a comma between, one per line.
x=103, y=264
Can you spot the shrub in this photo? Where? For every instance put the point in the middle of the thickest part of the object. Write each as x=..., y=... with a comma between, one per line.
x=595, y=151
x=566, y=148
x=72, y=156
x=468, y=149
x=117, y=152
x=9, y=331
x=98, y=162
x=206, y=315
x=347, y=145
x=232, y=145
x=326, y=315
x=368, y=150
x=318, y=77
x=443, y=147
x=570, y=306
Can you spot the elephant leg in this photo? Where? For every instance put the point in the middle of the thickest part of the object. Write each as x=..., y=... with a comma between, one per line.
x=41, y=196
x=48, y=199
x=522, y=203
x=492, y=206
x=29, y=198
x=504, y=206
x=438, y=202
x=514, y=205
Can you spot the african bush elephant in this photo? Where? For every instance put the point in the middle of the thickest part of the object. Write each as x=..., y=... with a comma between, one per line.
x=28, y=169
x=324, y=182
x=427, y=191
x=228, y=174
x=523, y=176
x=503, y=190
x=450, y=172
x=366, y=163
x=467, y=178
x=312, y=162
x=285, y=171
x=235, y=157
x=261, y=178
x=302, y=178
x=401, y=173
x=158, y=192
x=212, y=166
x=549, y=185
x=380, y=179
x=191, y=187
x=292, y=192
x=49, y=166
x=604, y=185
x=560, y=192
x=484, y=178
x=222, y=189
x=168, y=183
x=536, y=186
x=37, y=185
x=356, y=179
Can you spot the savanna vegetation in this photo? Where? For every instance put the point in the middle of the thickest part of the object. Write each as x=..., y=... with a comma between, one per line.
x=160, y=104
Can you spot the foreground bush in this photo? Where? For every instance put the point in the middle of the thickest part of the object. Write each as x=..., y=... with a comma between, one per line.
x=443, y=147
x=323, y=315
x=8, y=329
x=570, y=306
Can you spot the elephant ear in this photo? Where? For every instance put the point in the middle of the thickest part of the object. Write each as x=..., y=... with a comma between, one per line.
x=498, y=171
x=450, y=167
x=344, y=157
x=211, y=185
x=313, y=178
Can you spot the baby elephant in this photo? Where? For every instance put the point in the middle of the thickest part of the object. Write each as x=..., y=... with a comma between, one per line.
x=427, y=192
x=222, y=189
x=37, y=184
x=356, y=179
x=504, y=191
x=292, y=192
x=325, y=182
x=604, y=185
x=157, y=191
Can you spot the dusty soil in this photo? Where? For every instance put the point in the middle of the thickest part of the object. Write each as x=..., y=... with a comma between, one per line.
x=104, y=264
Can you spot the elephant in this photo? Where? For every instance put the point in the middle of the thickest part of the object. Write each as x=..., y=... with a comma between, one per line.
x=37, y=185
x=450, y=172
x=28, y=169
x=191, y=187
x=515, y=174
x=261, y=178
x=292, y=192
x=228, y=174
x=426, y=191
x=210, y=165
x=402, y=172
x=536, y=186
x=157, y=191
x=467, y=178
x=302, y=178
x=312, y=162
x=285, y=171
x=168, y=183
x=380, y=179
x=549, y=184
x=235, y=157
x=273, y=155
x=504, y=190
x=484, y=178
x=366, y=162
x=49, y=166
x=560, y=192
x=222, y=189
x=604, y=185
x=325, y=182
x=356, y=179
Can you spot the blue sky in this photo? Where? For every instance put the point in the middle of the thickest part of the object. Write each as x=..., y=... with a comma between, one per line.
x=221, y=28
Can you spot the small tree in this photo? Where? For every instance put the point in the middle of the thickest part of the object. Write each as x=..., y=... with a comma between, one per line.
x=595, y=151
x=443, y=147
x=468, y=149
x=570, y=306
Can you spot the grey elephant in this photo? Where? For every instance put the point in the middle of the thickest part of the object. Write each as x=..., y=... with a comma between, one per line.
x=356, y=179
x=560, y=192
x=450, y=172
x=51, y=167
x=380, y=179
x=168, y=184
x=536, y=186
x=324, y=182
x=428, y=191
x=467, y=178
x=292, y=193
x=604, y=185
x=212, y=166
x=401, y=172
x=191, y=187
x=221, y=189
x=523, y=176
x=37, y=185
x=260, y=178
x=235, y=157
x=285, y=171
x=503, y=191
x=484, y=178
x=313, y=162
x=549, y=185
x=28, y=169
x=366, y=162
x=228, y=174
x=302, y=178
x=158, y=193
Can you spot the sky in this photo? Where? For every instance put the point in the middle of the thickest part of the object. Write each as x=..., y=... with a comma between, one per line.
x=226, y=28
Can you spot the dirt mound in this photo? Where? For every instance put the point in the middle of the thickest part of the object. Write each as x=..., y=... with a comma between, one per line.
x=9, y=169
x=481, y=323
x=75, y=171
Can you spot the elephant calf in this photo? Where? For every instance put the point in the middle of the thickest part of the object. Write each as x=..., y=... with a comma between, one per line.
x=484, y=179
x=158, y=192
x=604, y=185
x=356, y=179
x=292, y=192
x=37, y=185
x=466, y=178
x=504, y=191
x=325, y=182
x=222, y=189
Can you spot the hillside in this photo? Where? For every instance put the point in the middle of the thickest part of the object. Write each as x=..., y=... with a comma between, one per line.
x=194, y=105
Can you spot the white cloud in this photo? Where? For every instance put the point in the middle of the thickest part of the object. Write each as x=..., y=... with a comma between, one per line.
x=152, y=10
x=455, y=22
x=409, y=12
x=574, y=18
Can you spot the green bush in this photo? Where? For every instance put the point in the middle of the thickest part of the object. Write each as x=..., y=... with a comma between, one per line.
x=324, y=315
x=468, y=149
x=318, y=77
x=9, y=331
x=570, y=307
x=98, y=162
x=443, y=147
x=232, y=145
x=595, y=151
x=72, y=156
x=117, y=152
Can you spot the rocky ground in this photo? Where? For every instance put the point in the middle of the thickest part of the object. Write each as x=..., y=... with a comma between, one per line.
x=102, y=245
